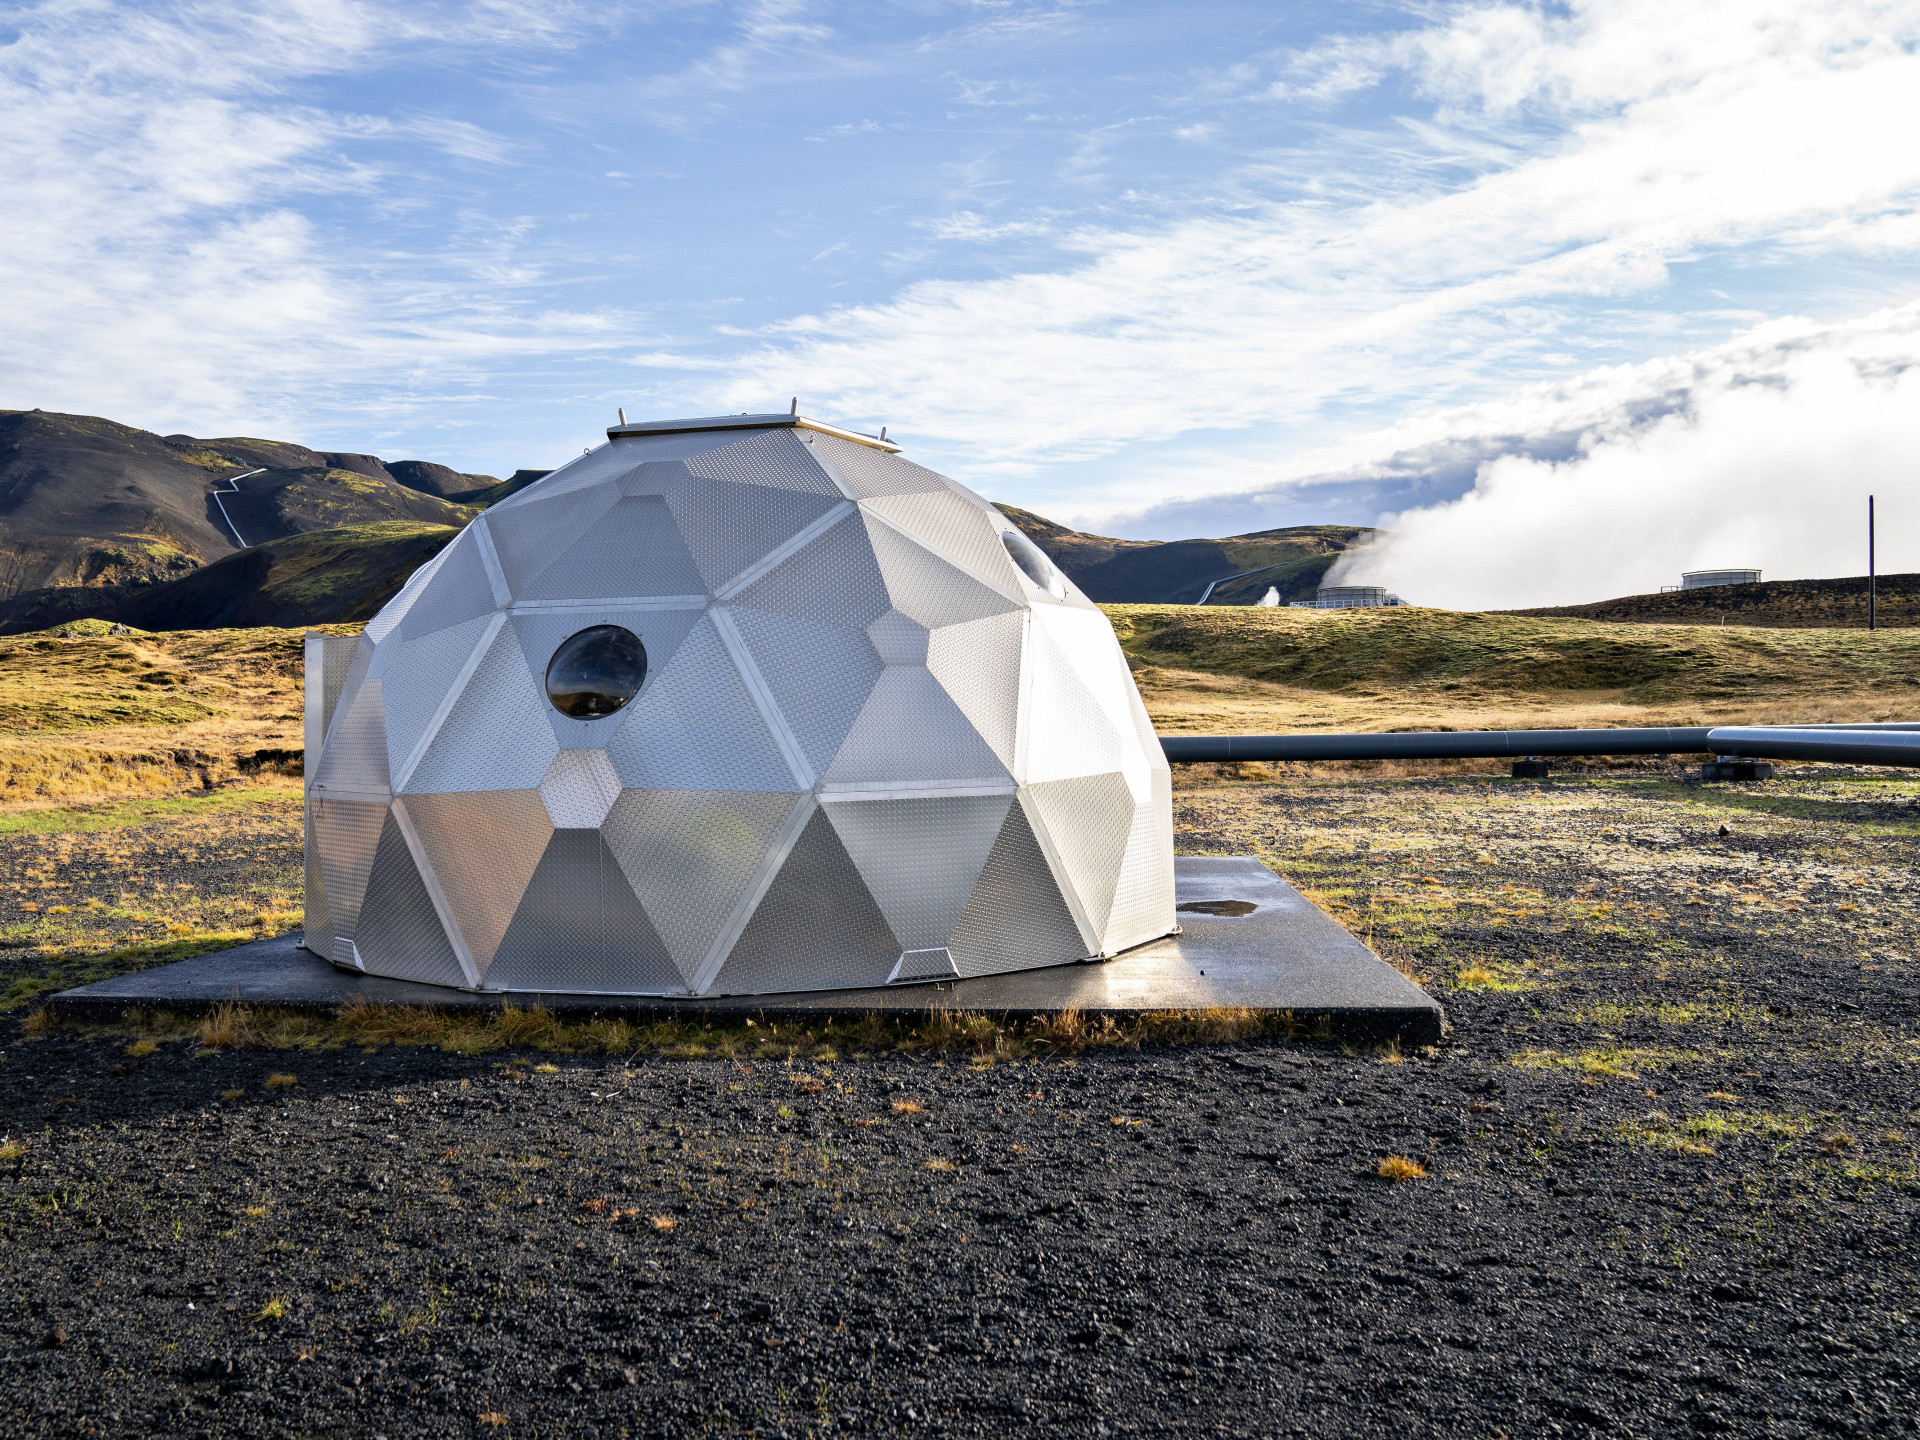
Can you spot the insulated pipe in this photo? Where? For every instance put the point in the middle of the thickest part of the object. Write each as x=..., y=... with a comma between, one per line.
x=1829, y=740
x=1439, y=744
x=1863, y=746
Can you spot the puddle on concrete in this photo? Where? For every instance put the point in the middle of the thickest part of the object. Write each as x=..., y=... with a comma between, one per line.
x=1220, y=907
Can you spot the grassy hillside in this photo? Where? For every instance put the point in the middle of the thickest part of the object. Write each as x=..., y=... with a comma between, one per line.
x=1232, y=670
x=324, y=577
x=1179, y=571
x=279, y=503
x=1787, y=604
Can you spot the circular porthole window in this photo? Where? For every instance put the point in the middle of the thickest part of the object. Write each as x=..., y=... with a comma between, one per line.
x=1034, y=564
x=596, y=672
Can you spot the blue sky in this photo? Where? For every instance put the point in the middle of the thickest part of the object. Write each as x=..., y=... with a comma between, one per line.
x=1156, y=269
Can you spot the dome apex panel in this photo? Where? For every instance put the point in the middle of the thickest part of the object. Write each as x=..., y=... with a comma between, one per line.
x=732, y=706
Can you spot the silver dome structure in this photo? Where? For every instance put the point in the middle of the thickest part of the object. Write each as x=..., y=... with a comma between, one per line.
x=732, y=706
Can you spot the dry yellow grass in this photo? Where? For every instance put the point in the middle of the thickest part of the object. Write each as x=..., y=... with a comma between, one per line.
x=1396, y=1168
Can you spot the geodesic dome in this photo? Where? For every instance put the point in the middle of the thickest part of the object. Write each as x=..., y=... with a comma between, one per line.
x=732, y=706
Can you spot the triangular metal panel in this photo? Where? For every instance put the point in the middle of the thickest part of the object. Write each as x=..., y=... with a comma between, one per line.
x=816, y=927
x=926, y=588
x=1016, y=918
x=580, y=928
x=632, y=549
x=1068, y=732
x=395, y=610
x=496, y=736
x=697, y=727
x=920, y=858
x=416, y=676
x=728, y=526
x=1089, y=820
x=833, y=579
x=1082, y=644
x=353, y=762
x=531, y=537
x=865, y=472
x=820, y=675
x=978, y=665
x=778, y=458
x=316, y=923
x=655, y=477
x=605, y=465
x=959, y=530
x=1143, y=898
x=399, y=934
x=483, y=848
x=346, y=836
x=910, y=731
x=691, y=856
x=458, y=591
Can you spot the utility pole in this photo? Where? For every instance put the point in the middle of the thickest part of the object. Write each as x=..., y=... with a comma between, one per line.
x=1873, y=616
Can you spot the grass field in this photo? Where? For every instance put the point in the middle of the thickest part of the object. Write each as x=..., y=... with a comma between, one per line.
x=1274, y=670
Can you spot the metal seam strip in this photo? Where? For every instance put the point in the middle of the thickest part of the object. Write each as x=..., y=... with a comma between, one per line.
x=799, y=541
x=789, y=836
x=404, y=822
x=762, y=693
x=908, y=790
x=490, y=562
x=1023, y=707
x=447, y=701
x=366, y=795
x=615, y=602
x=1061, y=876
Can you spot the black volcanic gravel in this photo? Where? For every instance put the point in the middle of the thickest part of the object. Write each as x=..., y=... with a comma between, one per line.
x=1670, y=1190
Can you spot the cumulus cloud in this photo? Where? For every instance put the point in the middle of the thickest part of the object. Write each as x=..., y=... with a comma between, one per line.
x=1760, y=453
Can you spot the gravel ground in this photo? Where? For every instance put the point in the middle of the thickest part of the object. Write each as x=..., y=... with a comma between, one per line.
x=1669, y=1182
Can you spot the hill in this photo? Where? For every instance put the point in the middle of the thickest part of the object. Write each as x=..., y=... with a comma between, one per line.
x=1179, y=571
x=1775, y=604
x=323, y=577
x=93, y=511
x=1266, y=670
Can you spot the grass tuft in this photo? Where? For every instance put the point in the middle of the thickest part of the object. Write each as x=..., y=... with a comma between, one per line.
x=1396, y=1168
x=280, y=1081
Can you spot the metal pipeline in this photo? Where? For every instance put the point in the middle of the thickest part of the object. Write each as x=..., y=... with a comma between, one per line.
x=1843, y=744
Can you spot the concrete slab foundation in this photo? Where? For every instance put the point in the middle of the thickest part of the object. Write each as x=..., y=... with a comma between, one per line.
x=1248, y=939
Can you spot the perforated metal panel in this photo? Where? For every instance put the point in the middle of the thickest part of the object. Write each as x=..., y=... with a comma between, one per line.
x=531, y=537
x=483, y=849
x=909, y=732
x=328, y=658
x=925, y=587
x=399, y=934
x=395, y=610
x=1015, y=919
x=898, y=640
x=1068, y=731
x=691, y=856
x=496, y=736
x=728, y=526
x=866, y=472
x=957, y=529
x=316, y=924
x=655, y=477
x=776, y=458
x=1143, y=898
x=353, y=763
x=978, y=665
x=820, y=675
x=920, y=858
x=417, y=677
x=834, y=580
x=579, y=789
x=695, y=727
x=607, y=464
x=923, y=965
x=1089, y=820
x=631, y=549
x=816, y=927
x=458, y=591
x=346, y=836
x=580, y=928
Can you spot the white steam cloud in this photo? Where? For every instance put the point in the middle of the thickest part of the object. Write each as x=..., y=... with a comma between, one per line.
x=1766, y=461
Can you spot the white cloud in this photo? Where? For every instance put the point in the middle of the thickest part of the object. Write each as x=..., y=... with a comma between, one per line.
x=1759, y=453
x=1572, y=163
